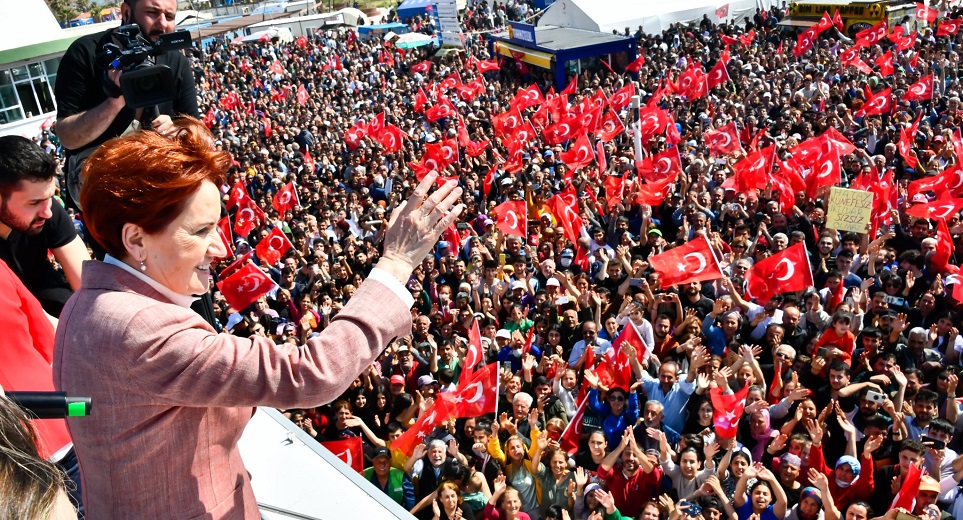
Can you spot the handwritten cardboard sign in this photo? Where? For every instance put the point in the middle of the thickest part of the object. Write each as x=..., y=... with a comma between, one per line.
x=849, y=210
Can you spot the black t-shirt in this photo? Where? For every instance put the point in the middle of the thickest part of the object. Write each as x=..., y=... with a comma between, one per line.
x=27, y=254
x=80, y=86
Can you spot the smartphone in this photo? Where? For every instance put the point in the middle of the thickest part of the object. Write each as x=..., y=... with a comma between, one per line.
x=930, y=442
x=875, y=397
x=821, y=352
x=906, y=516
x=554, y=435
x=691, y=509
x=507, y=365
x=635, y=282
x=461, y=225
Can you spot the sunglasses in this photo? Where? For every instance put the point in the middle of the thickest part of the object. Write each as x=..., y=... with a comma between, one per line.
x=616, y=398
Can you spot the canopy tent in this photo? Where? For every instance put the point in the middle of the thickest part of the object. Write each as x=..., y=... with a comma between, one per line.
x=411, y=8
x=282, y=34
x=409, y=40
x=654, y=17
x=367, y=32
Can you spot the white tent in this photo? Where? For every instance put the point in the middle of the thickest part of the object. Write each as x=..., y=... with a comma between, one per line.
x=283, y=34
x=654, y=17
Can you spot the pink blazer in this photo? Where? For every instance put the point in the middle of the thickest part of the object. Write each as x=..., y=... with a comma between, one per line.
x=171, y=397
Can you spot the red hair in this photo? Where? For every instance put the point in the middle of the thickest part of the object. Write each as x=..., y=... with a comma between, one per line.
x=145, y=178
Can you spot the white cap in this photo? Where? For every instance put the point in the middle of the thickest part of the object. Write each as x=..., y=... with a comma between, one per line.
x=503, y=333
x=518, y=284
x=552, y=282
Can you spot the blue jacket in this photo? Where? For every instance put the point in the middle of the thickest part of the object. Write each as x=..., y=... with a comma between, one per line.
x=614, y=425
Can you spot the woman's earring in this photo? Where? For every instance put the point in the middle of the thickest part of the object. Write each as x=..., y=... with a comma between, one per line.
x=143, y=266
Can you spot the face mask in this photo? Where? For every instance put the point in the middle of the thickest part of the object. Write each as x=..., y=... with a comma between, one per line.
x=517, y=352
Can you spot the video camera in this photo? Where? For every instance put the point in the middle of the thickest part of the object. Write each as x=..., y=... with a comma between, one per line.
x=143, y=82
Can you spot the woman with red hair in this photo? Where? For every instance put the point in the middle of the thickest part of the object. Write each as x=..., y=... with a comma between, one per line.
x=173, y=396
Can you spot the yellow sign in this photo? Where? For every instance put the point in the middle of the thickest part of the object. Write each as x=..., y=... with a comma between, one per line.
x=849, y=210
x=854, y=9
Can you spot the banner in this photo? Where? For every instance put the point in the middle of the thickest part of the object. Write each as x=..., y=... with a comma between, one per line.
x=849, y=210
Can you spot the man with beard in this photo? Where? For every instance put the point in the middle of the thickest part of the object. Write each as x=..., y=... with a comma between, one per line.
x=31, y=223
x=692, y=298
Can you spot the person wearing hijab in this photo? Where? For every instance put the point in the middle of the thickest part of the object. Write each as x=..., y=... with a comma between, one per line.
x=851, y=479
x=810, y=506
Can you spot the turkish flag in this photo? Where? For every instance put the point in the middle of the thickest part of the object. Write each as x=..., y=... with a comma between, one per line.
x=421, y=67
x=444, y=152
x=452, y=81
x=950, y=180
x=661, y=166
x=559, y=133
x=723, y=140
x=349, y=451
x=230, y=101
x=826, y=171
x=906, y=496
x=956, y=281
x=775, y=391
x=692, y=82
x=785, y=271
x=872, y=35
x=376, y=126
x=249, y=216
x=610, y=126
x=589, y=120
x=238, y=263
x=727, y=410
x=654, y=193
x=507, y=121
x=564, y=206
x=636, y=65
x=510, y=218
x=245, y=286
x=478, y=396
x=476, y=149
x=227, y=238
x=942, y=208
x=467, y=91
x=475, y=354
x=572, y=434
x=838, y=20
x=528, y=97
x=722, y=12
x=209, y=118
x=569, y=89
x=302, y=95
x=944, y=247
x=484, y=66
x=948, y=26
x=308, y=162
x=440, y=411
x=354, y=135
x=238, y=191
x=622, y=97
x=824, y=23
x=907, y=42
x=885, y=64
x=843, y=146
x=615, y=370
x=525, y=133
x=746, y=39
x=267, y=127
x=614, y=189
x=848, y=55
x=652, y=121
x=957, y=143
x=302, y=41
x=922, y=90
x=442, y=109
x=928, y=14
x=272, y=247
x=391, y=138
x=906, y=138
x=718, y=75
x=286, y=199
x=421, y=99
x=690, y=262
x=753, y=171
x=630, y=334
x=805, y=41
x=580, y=154
x=880, y=103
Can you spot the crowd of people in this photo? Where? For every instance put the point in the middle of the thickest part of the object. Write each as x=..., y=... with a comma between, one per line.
x=845, y=392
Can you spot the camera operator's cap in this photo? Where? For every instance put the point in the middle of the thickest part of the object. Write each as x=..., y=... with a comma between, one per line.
x=381, y=451
x=929, y=484
x=552, y=282
x=503, y=333
x=426, y=380
x=397, y=380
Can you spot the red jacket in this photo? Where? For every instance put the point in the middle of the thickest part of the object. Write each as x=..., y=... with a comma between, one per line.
x=860, y=490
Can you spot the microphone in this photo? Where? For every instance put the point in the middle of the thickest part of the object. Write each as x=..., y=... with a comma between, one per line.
x=51, y=405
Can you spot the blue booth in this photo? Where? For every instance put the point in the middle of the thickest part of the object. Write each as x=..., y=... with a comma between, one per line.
x=412, y=8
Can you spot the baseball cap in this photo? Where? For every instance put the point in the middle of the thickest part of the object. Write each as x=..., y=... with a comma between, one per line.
x=518, y=284
x=552, y=282
x=426, y=380
x=655, y=231
x=930, y=484
x=397, y=379
x=403, y=348
x=381, y=451
x=503, y=333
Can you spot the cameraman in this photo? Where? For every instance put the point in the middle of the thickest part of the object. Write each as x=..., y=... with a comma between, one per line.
x=88, y=114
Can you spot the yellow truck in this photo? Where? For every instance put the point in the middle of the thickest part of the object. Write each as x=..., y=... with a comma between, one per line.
x=856, y=14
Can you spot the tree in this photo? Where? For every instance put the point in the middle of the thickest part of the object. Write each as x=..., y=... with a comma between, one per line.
x=62, y=10
x=84, y=6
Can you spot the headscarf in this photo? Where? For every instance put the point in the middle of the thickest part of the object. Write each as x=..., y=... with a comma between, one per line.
x=813, y=493
x=853, y=463
x=762, y=439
